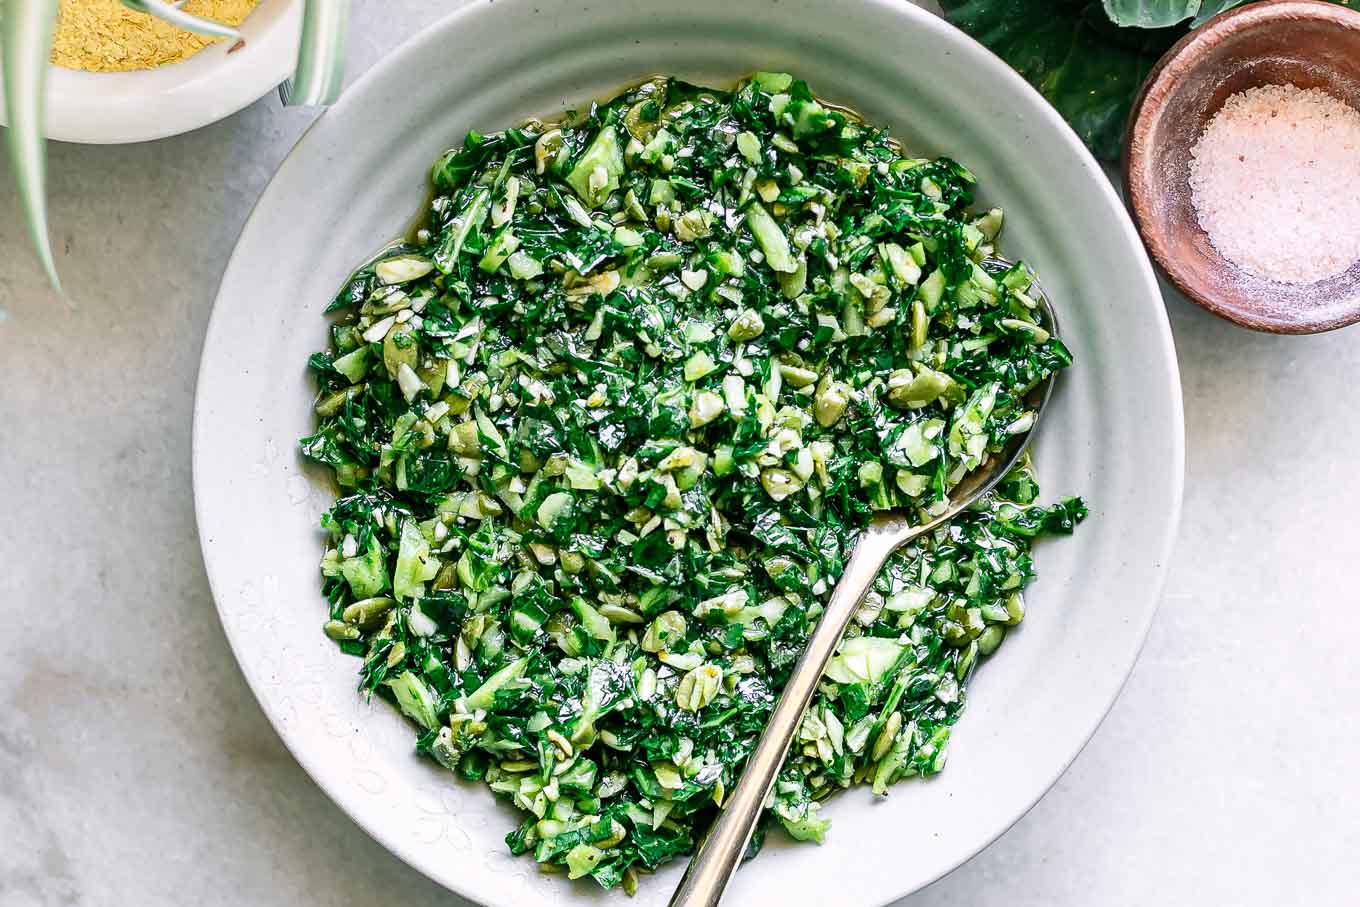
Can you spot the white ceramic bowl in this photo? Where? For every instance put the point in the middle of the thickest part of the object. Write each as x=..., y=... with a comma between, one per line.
x=106, y=108
x=1113, y=434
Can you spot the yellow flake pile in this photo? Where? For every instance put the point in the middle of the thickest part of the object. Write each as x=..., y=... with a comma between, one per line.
x=106, y=36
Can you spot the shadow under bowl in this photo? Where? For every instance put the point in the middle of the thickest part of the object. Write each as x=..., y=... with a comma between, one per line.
x=1307, y=43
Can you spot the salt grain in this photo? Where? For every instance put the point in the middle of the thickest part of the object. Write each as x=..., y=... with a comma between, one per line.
x=1275, y=181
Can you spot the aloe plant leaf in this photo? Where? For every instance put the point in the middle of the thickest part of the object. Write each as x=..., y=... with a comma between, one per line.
x=25, y=43
x=320, y=70
x=171, y=13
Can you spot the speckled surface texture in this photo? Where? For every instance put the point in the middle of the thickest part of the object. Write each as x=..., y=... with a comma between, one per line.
x=136, y=768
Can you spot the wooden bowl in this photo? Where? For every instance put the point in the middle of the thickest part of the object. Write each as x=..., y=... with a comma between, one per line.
x=1309, y=43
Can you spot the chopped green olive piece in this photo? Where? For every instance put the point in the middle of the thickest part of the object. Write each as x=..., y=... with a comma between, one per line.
x=597, y=173
x=771, y=238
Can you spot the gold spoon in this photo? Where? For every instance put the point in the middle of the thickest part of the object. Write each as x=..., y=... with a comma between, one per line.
x=712, y=866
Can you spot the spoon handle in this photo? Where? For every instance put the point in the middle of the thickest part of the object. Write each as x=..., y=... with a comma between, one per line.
x=717, y=858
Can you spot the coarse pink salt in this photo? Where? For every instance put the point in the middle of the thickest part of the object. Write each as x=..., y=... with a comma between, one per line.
x=1275, y=181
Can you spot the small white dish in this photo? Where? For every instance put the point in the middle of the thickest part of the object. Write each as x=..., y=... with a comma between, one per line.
x=109, y=108
x=1114, y=434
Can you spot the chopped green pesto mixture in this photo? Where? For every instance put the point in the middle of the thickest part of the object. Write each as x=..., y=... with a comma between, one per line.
x=608, y=426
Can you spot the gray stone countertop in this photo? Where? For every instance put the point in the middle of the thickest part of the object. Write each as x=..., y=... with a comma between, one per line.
x=137, y=769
